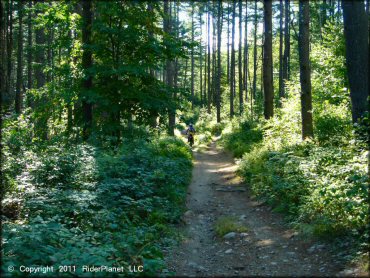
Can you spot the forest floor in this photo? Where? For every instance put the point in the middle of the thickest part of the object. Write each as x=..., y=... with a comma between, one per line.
x=267, y=248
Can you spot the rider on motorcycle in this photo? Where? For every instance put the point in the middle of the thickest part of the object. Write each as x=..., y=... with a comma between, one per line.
x=190, y=132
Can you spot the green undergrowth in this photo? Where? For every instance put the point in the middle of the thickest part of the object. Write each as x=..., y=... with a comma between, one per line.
x=320, y=185
x=227, y=224
x=82, y=205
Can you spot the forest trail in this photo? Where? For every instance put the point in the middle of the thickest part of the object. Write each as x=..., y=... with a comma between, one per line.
x=267, y=248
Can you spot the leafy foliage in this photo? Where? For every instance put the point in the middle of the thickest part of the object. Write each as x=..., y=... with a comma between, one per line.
x=84, y=205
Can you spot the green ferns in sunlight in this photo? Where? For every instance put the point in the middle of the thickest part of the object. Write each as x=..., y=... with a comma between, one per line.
x=84, y=205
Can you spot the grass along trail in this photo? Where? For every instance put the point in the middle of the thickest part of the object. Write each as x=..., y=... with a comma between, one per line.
x=258, y=244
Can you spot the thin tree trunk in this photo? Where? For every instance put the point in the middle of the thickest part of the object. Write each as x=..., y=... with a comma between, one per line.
x=228, y=42
x=232, y=66
x=286, y=46
x=29, y=47
x=305, y=68
x=240, y=60
x=86, y=65
x=18, y=92
x=281, y=82
x=245, y=68
x=3, y=38
x=209, y=64
x=267, y=62
x=255, y=51
x=9, y=48
x=192, y=56
x=200, y=61
x=218, y=80
x=356, y=32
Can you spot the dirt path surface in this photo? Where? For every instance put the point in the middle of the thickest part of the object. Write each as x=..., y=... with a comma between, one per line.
x=268, y=248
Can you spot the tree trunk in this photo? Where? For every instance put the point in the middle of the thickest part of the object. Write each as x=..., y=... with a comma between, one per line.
x=267, y=62
x=29, y=46
x=18, y=92
x=232, y=66
x=245, y=68
x=2, y=54
x=305, y=68
x=286, y=46
x=356, y=34
x=240, y=60
x=218, y=79
x=281, y=82
x=255, y=51
x=9, y=48
x=209, y=64
x=167, y=27
x=228, y=42
x=200, y=61
x=192, y=56
x=86, y=65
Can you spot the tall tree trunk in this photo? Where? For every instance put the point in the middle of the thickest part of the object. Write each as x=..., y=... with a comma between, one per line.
x=18, y=92
x=200, y=61
x=267, y=62
x=232, y=66
x=2, y=55
x=209, y=63
x=305, y=68
x=192, y=56
x=218, y=79
x=286, y=46
x=255, y=51
x=281, y=82
x=9, y=48
x=356, y=32
x=245, y=62
x=86, y=65
x=167, y=27
x=228, y=42
x=29, y=47
x=240, y=60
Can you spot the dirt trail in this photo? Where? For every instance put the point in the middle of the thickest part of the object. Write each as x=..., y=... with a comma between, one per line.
x=268, y=248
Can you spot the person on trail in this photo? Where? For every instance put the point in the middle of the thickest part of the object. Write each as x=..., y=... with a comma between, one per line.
x=190, y=132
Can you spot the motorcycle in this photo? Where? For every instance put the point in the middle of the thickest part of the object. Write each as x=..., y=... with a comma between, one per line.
x=191, y=139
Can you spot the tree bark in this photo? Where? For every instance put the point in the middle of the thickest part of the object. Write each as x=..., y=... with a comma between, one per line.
x=356, y=32
x=9, y=36
x=209, y=64
x=87, y=63
x=200, y=61
x=267, y=62
x=2, y=54
x=255, y=51
x=286, y=46
x=241, y=99
x=29, y=47
x=192, y=56
x=281, y=82
x=232, y=66
x=305, y=68
x=218, y=79
x=245, y=62
x=18, y=92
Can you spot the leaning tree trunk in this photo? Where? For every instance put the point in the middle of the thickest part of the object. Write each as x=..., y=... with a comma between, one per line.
x=356, y=34
x=255, y=52
x=192, y=56
x=267, y=62
x=305, y=68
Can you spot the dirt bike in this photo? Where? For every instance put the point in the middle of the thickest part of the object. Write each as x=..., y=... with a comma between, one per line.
x=191, y=139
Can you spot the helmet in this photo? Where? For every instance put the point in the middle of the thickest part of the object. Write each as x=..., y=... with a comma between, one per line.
x=191, y=124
